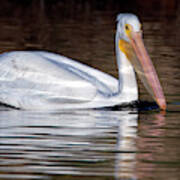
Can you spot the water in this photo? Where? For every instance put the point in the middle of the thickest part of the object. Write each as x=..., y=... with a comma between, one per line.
x=120, y=144
x=89, y=143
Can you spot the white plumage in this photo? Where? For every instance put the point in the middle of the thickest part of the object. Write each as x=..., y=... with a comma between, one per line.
x=43, y=80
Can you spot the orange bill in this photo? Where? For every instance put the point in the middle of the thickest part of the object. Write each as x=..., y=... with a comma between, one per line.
x=142, y=63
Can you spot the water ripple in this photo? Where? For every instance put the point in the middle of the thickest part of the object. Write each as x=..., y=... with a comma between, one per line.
x=77, y=143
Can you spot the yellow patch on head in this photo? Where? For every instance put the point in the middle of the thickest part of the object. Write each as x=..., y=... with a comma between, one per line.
x=128, y=29
x=126, y=48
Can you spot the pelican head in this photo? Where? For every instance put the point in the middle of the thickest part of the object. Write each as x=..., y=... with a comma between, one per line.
x=130, y=43
x=126, y=24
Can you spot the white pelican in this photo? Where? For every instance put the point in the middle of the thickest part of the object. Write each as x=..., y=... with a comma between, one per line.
x=43, y=80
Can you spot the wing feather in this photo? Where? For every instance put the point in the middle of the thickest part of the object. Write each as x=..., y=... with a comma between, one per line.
x=28, y=78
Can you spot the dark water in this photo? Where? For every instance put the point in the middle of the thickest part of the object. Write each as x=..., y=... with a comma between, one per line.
x=121, y=144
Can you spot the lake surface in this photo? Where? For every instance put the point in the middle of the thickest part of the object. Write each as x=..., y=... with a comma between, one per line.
x=131, y=143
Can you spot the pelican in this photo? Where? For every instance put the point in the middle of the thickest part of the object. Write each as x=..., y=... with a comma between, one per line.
x=35, y=80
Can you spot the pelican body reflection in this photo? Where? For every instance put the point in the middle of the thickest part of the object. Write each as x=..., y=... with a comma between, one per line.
x=87, y=143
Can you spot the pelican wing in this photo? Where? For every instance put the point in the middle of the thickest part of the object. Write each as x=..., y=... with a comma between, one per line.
x=27, y=78
x=105, y=83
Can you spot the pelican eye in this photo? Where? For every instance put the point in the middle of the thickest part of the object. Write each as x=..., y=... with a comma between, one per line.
x=126, y=27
